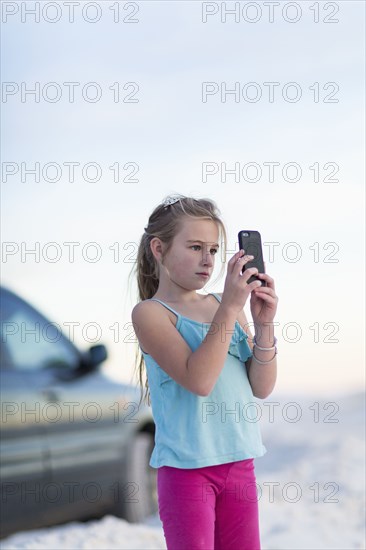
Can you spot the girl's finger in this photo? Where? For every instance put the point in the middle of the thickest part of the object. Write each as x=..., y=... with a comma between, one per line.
x=266, y=290
x=268, y=279
x=238, y=261
x=265, y=297
x=249, y=272
x=233, y=260
x=237, y=256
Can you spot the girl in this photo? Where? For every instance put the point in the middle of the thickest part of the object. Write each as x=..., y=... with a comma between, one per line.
x=202, y=372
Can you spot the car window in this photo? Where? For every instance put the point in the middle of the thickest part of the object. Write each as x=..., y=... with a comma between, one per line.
x=29, y=341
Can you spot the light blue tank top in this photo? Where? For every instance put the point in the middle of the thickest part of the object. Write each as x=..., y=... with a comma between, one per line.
x=194, y=431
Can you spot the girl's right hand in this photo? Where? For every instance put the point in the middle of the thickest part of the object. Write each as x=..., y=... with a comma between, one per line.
x=237, y=289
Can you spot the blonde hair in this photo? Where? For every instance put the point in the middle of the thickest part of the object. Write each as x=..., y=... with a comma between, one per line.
x=165, y=222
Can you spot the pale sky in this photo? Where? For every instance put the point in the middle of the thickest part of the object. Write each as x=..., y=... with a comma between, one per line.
x=313, y=207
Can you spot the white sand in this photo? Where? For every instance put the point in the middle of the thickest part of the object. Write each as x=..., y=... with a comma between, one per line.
x=315, y=469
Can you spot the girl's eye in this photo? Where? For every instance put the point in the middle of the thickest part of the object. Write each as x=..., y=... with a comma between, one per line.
x=212, y=251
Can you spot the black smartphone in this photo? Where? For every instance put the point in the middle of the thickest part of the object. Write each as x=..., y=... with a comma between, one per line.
x=251, y=243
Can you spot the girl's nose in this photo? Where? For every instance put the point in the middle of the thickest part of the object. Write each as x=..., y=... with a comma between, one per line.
x=208, y=259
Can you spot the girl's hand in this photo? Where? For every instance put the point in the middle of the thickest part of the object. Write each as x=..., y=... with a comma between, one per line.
x=237, y=289
x=263, y=301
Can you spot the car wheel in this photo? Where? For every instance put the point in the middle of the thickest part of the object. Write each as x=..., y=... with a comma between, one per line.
x=138, y=490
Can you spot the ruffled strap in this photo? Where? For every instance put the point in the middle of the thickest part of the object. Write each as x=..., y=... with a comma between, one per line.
x=239, y=346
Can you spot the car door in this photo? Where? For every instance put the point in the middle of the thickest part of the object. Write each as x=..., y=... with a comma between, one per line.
x=86, y=440
x=78, y=416
x=24, y=452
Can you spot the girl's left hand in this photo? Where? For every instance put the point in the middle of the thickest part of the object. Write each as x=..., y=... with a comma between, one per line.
x=263, y=301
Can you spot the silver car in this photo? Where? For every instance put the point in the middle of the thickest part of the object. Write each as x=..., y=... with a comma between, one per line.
x=74, y=444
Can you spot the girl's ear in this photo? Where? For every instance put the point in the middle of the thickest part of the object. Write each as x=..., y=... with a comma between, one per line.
x=156, y=248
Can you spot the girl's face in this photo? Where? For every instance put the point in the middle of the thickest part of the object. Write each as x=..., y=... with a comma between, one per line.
x=191, y=258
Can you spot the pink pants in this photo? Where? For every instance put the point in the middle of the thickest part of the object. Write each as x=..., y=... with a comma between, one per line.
x=210, y=508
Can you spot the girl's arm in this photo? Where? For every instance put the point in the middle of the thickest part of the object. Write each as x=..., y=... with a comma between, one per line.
x=196, y=370
x=262, y=378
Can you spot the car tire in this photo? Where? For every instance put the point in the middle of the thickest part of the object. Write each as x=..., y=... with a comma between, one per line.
x=138, y=489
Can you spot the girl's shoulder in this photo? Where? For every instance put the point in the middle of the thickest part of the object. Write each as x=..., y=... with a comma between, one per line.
x=144, y=305
x=149, y=309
